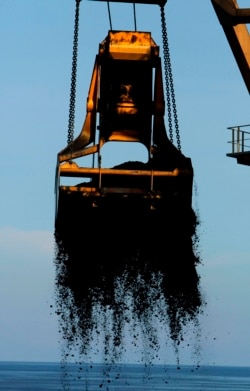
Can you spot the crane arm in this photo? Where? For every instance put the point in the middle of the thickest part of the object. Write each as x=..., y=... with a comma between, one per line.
x=233, y=21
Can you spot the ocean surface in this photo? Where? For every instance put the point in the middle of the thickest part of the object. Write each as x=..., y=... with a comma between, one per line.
x=33, y=376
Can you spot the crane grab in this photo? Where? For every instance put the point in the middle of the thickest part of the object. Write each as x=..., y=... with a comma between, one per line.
x=124, y=233
x=129, y=110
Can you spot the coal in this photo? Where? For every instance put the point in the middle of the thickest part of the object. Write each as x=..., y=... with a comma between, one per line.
x=127, y=263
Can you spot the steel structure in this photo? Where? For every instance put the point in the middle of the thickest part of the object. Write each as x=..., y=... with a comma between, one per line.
x=234, y=22
x=126, y=97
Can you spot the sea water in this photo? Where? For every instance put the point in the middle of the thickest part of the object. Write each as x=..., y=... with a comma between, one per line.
x=35, y=376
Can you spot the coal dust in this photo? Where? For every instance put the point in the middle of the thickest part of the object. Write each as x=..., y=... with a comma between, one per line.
x=121, y=266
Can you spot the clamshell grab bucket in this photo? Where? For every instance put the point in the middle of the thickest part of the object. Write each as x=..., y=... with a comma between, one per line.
x=126, y=99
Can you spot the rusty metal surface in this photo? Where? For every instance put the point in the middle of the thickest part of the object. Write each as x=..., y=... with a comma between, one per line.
x=125, y=45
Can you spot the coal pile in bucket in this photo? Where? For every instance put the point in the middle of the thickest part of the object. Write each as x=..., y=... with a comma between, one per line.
x=126, y=263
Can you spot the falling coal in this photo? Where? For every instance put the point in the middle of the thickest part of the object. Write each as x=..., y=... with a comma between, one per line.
x=123, y=261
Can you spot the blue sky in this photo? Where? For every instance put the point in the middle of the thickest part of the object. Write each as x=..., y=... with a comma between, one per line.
x=35, y=67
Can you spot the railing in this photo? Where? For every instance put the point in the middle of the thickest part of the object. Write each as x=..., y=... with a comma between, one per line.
x=240, y=140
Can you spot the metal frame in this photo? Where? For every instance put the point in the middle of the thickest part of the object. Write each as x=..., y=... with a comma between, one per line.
x=240, y=141
x=233, y=20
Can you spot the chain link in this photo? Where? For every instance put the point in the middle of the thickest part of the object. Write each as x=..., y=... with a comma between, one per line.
x=71, y=121
x=170, y=94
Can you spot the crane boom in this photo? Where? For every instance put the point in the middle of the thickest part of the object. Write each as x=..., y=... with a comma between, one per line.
x=233, y=20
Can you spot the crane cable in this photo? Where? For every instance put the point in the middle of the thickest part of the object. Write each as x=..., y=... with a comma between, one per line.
x=110, y=22
x=71, y=121
x=134, y=16
x=109, y=14
x=170, y=94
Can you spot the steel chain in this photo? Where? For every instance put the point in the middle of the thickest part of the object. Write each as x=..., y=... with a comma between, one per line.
x=170, y=93
x=71, y=122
